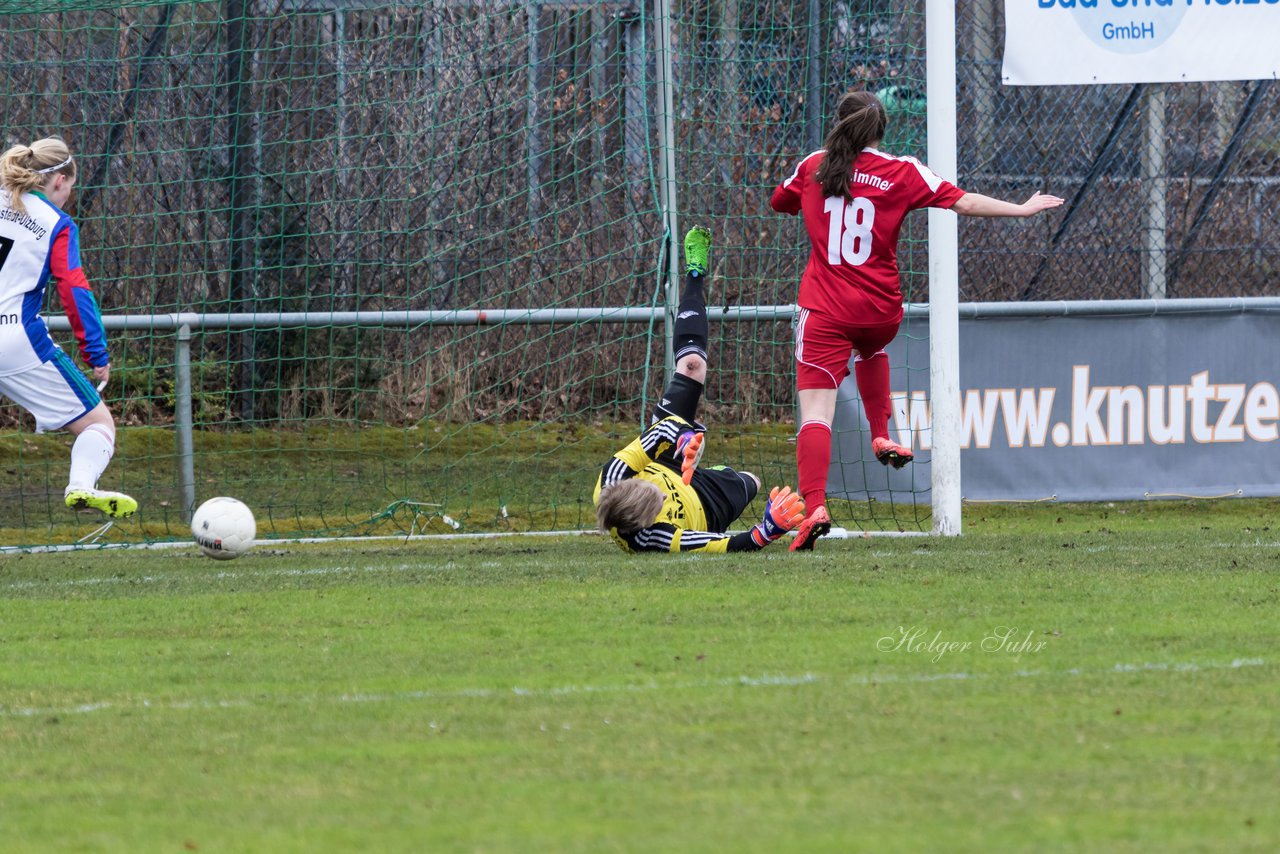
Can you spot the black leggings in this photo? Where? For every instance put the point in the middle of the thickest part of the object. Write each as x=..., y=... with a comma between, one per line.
x=680, y=398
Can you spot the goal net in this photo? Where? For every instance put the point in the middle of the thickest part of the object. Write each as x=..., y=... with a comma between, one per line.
x=404, y=266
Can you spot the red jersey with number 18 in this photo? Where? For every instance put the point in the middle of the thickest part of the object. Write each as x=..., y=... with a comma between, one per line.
x=853, y=269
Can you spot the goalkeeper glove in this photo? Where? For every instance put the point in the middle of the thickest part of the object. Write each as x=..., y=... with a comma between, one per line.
x=783, y=512
x=688, y=452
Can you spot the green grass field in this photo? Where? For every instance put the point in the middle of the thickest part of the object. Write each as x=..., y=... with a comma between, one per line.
x=1118, y=692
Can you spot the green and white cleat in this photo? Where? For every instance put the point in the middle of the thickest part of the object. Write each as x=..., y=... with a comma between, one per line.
x=116, y=505
x=697, y=243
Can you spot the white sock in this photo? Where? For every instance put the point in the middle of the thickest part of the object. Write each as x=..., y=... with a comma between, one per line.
x=90, y=454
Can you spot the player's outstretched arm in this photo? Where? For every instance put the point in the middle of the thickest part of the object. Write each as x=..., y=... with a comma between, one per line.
x=783, y=512
x=976, y=204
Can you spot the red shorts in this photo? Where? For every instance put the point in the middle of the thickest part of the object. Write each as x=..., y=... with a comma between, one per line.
x=824, y=345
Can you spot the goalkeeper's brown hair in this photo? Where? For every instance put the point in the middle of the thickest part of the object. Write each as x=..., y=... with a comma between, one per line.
x=860, y=121
x=629, y=505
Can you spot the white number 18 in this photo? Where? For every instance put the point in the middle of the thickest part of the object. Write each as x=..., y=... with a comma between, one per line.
x=849, y=234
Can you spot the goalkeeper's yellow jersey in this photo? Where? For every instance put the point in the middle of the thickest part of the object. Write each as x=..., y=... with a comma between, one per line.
x=681, y=523
x=681, y=505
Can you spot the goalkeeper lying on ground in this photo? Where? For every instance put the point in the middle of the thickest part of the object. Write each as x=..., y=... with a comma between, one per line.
x=651, y=496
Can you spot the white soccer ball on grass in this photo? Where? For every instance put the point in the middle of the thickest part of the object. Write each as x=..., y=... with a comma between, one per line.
x=223, y=528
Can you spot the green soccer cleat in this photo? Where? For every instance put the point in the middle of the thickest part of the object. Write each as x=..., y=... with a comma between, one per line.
x=697, y=243
x=116, y=505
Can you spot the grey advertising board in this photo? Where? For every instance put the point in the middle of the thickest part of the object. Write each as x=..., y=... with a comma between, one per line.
x=1085, y=408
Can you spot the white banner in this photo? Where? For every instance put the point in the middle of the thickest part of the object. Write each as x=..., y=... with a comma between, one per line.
x=1084, y=408
x=1069, y=42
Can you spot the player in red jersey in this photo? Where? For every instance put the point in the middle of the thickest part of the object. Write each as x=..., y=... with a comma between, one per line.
x=854, y=199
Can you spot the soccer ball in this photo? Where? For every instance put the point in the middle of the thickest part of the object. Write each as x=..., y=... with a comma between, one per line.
x=223, y=528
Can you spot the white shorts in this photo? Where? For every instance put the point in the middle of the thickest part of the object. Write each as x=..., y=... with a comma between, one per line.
x=55, y=392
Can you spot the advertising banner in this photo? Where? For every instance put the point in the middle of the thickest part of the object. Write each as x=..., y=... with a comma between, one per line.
x=1069, y=42
x=1085, y=408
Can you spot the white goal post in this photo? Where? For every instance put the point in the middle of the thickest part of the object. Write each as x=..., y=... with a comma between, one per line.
x=944, y=270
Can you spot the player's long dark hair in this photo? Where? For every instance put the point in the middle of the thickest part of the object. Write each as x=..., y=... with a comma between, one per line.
x=860, y=121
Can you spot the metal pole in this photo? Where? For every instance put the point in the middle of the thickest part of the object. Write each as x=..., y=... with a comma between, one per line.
x=634, y=131
x=634, y=314
x=731, y=63
x=944, y=271
x=1156, y=181
x=343, y=244
x=183, y=423
x=666, y=136
x=533, y=132
x=242, y=170
x=813, y=85
x=599, y=56
x=983, y=31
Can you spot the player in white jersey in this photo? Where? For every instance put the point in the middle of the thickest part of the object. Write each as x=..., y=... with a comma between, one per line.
x=39, y=242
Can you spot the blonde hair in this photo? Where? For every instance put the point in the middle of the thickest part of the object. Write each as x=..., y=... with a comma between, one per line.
x=629, y=505
x=24, y=168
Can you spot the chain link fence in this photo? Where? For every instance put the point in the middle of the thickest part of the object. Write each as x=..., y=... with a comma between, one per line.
x=1170, y=188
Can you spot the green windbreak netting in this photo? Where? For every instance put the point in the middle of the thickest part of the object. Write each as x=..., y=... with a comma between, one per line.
x=341, y=157
x=458, y=157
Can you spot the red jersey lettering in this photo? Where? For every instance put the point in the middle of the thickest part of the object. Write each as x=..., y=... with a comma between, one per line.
x=852, y=272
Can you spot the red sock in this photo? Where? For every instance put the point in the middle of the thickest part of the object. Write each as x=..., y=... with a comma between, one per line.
x=873, y=387
x=813, y=459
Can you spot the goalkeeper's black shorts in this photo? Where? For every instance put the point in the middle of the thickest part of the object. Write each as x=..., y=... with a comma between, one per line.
x=725, y=493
